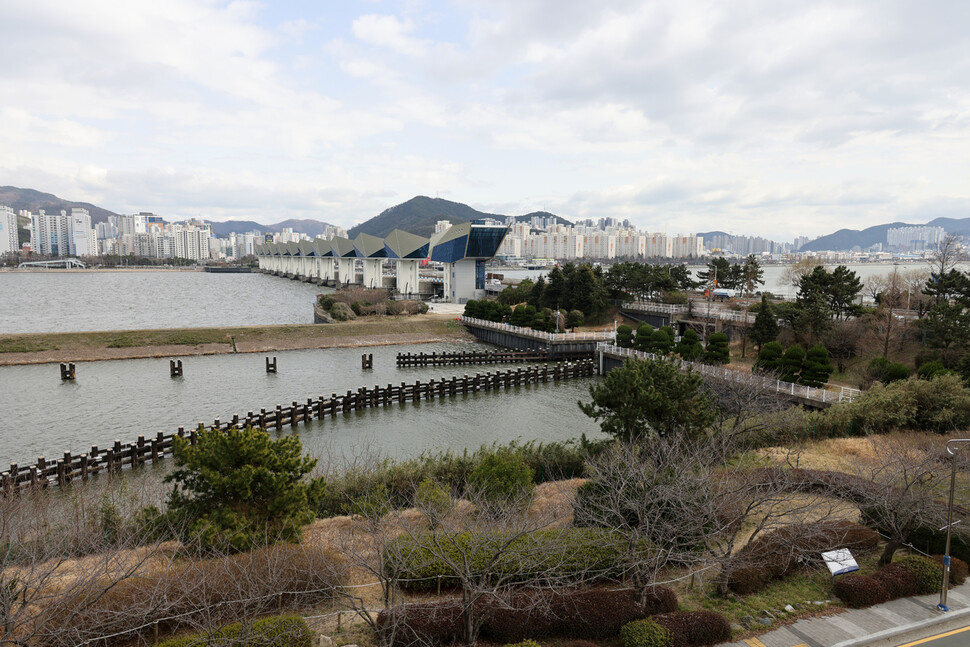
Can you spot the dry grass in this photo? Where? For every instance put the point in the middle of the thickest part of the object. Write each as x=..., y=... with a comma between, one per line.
x=66, y=347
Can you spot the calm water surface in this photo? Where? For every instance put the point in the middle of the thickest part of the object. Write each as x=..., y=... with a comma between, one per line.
x=125, y=300
x=121, y=399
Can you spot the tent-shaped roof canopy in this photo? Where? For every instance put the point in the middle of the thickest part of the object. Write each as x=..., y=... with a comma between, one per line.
x=368, y=246
x=401, y=244
x=343, y=248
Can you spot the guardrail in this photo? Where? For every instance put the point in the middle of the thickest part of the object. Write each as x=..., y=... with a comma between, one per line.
x=825, y=395
x=538, y=334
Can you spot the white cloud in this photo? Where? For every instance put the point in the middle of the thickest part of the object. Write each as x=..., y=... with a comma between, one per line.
x=765, y=117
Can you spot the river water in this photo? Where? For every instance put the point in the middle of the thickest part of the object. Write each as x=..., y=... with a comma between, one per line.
x=774, y=275
x=72, y=301
x=44, y=416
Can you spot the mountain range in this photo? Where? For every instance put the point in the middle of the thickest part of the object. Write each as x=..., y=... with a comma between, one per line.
x=846, y=239
x=420, y=214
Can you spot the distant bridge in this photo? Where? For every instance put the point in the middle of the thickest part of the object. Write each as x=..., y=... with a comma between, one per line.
x=66, y=263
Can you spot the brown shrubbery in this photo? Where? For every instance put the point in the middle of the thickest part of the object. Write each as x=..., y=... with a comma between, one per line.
x=573, y=614
x=206, y=592
x=859, y=591
x=776, y=554
x=959, y=570
x=695, y=628
x=586, y=614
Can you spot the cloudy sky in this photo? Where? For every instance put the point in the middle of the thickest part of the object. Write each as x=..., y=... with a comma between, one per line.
x=769, y=117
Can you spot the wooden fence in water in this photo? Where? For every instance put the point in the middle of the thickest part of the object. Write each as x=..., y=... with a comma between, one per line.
x=72, y=467
x=469, y=357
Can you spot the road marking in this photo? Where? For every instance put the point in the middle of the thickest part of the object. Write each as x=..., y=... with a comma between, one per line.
x=926, y=640
x=754, y=642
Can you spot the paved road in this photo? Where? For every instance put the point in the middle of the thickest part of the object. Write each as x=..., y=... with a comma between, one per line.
x=954, y=638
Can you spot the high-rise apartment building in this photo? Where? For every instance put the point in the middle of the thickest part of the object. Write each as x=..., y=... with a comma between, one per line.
x=63, y=234
x=9, y=241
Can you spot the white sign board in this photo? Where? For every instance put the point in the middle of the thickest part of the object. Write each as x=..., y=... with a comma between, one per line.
x=840, y=561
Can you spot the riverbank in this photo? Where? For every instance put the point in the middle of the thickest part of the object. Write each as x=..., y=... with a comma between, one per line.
x=40, y=348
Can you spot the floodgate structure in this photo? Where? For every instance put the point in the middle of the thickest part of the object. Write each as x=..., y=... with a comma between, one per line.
x=450, y=265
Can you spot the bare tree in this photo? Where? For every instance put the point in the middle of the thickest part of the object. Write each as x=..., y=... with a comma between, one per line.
x=915, y=280
x=895, y=487
x=947, y=254
x=492, y=557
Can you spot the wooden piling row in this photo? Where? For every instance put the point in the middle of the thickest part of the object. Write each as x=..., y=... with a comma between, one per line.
x=72, y=467
x=469, y=357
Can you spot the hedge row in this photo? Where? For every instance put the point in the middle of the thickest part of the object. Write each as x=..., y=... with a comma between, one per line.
x=911, y=575
x=424, y=559
x=776, y=554
x=586, y=614
x=677, y=629
x=276, y=631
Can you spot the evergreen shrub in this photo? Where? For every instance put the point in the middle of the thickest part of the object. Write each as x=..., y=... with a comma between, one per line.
x=645, y=633
x=275, y=631
x=560, y=553
x=927, y=573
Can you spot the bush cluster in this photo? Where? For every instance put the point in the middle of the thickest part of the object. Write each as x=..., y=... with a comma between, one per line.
x=695, y=628
x=577, y=614
x=959, y=570
x=908, y=576
x=561, y=553
x=275, y=631
x=587, y=614
x=776, y=554
x=223, y=588
x=645, y=633
x=938, y=405
x=548, y=462
x=859, y=591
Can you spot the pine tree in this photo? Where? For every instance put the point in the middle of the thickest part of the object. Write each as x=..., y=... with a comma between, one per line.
x=765, y=327
x=662, y=340
x=644, y=340
x=717, y=351
x=689, y=347
x=791, y=363
x=769, y=359
x=624, y=336
x=816, y=367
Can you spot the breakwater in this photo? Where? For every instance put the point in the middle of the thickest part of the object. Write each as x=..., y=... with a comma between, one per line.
x=70, y=467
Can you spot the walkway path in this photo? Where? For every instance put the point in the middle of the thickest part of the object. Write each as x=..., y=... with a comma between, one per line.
x=882, y=624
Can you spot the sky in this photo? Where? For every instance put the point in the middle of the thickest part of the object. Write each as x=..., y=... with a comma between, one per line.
x=772, y=118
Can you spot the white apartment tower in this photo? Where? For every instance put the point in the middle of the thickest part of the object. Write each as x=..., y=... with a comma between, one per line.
x=9, y=242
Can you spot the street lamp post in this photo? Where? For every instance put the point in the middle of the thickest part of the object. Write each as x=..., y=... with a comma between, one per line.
x=951, y=448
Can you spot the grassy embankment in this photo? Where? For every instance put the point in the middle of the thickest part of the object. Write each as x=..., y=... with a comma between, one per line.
x=104, y=344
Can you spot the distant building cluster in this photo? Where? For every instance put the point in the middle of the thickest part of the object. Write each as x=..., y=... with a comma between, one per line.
x=606, y=239
x=913, y=239
x=745, y=245
x=62, y=234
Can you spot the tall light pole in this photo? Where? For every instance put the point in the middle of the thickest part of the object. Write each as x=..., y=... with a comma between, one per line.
x=952, y=446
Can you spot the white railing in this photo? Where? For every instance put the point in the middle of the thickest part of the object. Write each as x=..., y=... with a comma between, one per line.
x=825, y=394
x=700, y=309
x=538, y=334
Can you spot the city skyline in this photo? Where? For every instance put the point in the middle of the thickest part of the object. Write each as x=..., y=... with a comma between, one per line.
x=768, y=120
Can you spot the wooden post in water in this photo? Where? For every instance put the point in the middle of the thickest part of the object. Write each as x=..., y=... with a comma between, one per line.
x=68, y=372
x=294, y=413
x=175, y=368
x=367, y=361
x=270, y=366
